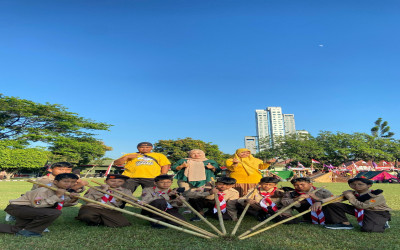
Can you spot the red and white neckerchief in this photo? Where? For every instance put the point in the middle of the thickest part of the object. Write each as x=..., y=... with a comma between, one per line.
x=266, y=201
x=222, y=203
x=61, y=203
x=108, y=198
x=359, y=213
x=161, y=193
x=318, y=216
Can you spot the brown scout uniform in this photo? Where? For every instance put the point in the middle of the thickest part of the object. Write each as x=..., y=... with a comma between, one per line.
x=34, y=211
x=94, y=214
x=255, y=209
x=201, y=198
x=152, y=196
x=48, y=179
x=376, y=211
x=290, y=197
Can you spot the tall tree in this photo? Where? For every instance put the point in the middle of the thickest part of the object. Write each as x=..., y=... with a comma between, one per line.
x=178, y=149
x=381, y=129
x=68, y=135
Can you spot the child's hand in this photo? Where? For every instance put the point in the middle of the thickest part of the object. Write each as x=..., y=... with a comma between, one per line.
x=304, y=196
x=316, y=206
x=181, y=198
x=214, y=191
x=348, y=194
x=141, y=203
x=105, y=187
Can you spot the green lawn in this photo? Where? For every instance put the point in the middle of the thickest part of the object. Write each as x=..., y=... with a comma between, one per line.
x=68, y=233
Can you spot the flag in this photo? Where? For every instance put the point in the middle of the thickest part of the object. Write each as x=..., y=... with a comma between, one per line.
x=384, y=163
x=314, y=161
x=109, y=168
x=374, y=164
x=300, y=165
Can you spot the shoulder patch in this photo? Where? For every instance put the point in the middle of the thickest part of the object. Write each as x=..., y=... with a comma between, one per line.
x=372, y=200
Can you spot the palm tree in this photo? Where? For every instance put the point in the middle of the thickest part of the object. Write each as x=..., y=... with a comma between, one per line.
x=381, y=129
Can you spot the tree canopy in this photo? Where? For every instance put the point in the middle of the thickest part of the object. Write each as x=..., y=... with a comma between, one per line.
x=178, y=149
x=69, y=136
x=381, y=129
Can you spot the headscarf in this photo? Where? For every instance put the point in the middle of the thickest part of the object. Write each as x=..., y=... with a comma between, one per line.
x=250, y=163
x=196, y=170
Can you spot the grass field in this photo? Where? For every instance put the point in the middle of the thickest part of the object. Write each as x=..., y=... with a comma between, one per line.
x=68, y=233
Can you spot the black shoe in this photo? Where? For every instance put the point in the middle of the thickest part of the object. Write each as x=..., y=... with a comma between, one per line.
x=27, y=233
x=158, y=226
x=262, y=216
x=195, y=218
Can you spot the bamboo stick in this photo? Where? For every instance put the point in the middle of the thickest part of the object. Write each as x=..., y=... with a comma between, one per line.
x=127, y=212
x=278, y=213
x=218, y=205
x=202, y=217
x=289, y=219
x=244, y=211
x=175, y=219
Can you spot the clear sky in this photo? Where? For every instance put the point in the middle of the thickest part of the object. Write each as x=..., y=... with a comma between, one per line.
x=172, y=69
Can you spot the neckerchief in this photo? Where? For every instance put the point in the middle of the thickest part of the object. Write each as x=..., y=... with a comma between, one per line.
x=108, y=198
x=222, y=203
x=359, y=213
x=266, y=201
x=318, y=216
x=60, y=204
x=161, y=193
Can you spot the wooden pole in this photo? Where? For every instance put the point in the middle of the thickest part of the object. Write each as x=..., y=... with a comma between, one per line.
x=127, y=212
x=253, y=193
x=202, y=217
x=278, y=213
x=218, y=205
x=337, y=199
x=169, y=217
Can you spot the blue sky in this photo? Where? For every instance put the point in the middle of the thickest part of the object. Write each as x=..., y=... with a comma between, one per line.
x=173, y=69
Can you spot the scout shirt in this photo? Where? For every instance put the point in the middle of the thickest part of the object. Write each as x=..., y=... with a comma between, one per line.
x=276, y=197
x=41, y=197
x=97, y=196
x=47, y=179
x=145, y=167
x=231, y=196
x=322, y=195
x=375, y=203
x=152, y=193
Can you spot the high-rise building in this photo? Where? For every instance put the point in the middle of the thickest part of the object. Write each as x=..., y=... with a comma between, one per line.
x=250, y=143
x=290, y=127
x=262, y=123
x=271, y=124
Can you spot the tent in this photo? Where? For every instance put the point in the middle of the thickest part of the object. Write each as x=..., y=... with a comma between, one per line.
x=376, y=176
x=283, y=174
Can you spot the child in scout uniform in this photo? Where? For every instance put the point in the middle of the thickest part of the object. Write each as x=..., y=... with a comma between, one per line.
x=95, y=215
x=163, y=198
x=313, y=201
x=56, y=169
x=37, y=209
x=264, y=200
x=204, y=198
x=369, y=207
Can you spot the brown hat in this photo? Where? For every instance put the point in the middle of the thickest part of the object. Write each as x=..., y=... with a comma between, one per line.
x=145, y=144
x=117, y=176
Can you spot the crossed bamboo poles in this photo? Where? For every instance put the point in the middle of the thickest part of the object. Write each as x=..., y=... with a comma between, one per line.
x=195, y=230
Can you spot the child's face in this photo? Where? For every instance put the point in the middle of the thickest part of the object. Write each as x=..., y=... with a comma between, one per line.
x=115, y=183
x=359, y=186
x=65, y=183
x=267, y=186
x=163, y=184
x=222, y=186
x=60, y=170
x=302, y=186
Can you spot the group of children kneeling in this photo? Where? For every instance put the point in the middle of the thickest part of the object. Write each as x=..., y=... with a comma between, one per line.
x=36, y=210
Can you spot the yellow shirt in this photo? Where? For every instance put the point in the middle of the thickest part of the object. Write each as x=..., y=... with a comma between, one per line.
x=145, y=167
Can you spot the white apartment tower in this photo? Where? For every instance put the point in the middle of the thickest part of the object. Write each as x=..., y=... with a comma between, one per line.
x=290, y=127
x=262, y=123
x=275, y=119
x=250, y=143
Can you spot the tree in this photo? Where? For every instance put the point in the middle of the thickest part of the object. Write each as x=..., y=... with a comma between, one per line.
x=381, y=129
x=178, y=149
x=13, y=157
x=69, y=136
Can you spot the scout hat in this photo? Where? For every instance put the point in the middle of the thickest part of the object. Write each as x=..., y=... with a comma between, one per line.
x=117, y=176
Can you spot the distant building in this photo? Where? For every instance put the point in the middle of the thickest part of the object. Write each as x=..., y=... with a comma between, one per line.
x=290, y=127
x=275, y=121
x=262, y=127
x=250, y=142
x=302, y=134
